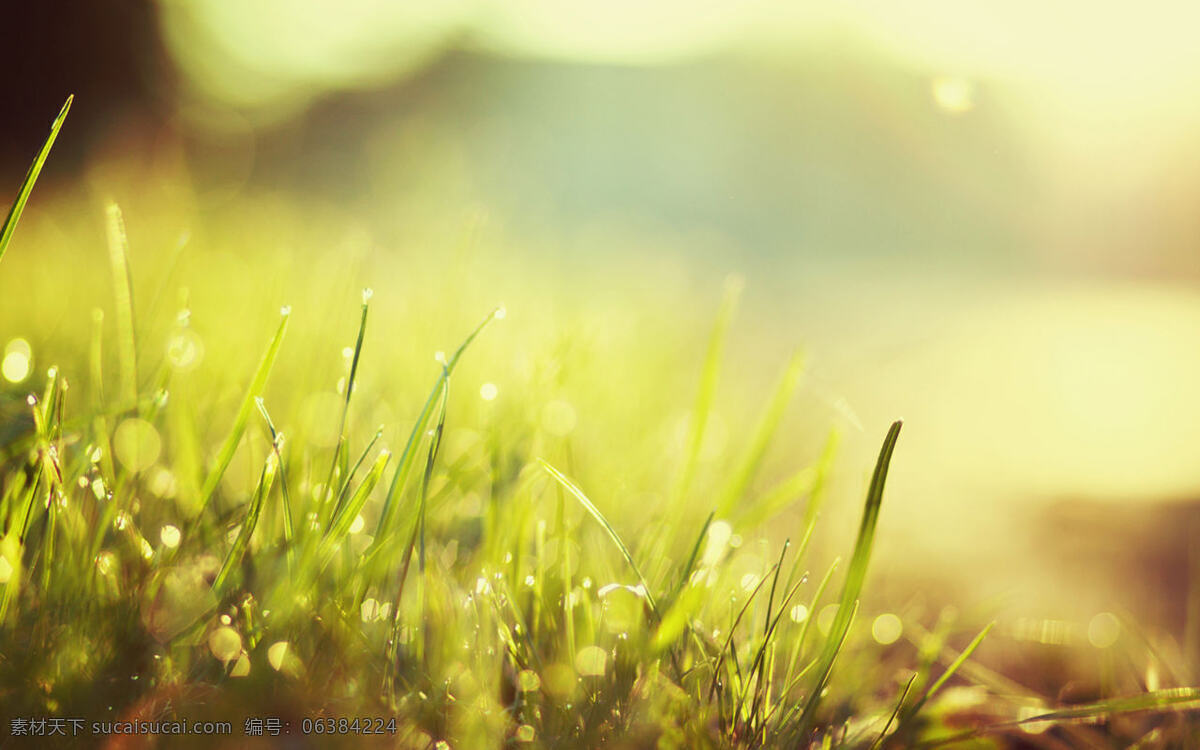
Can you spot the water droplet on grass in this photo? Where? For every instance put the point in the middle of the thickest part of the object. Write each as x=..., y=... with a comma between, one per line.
x=277, y=654
x=225, y=643
x=170, y=536
x=528, y=681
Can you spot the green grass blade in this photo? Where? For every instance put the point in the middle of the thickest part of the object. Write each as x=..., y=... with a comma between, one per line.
x=257, y=384
x=895, y=712
x=728, y=648
x=289, y=529
x=1169, y=699
x=435, y=444
x=855, y=577
x=962, y=658
x=813, y=604
x=330, y=492
x=679, y=613
x=339, y=527
x=345, y=491
x=118, y=255
x=387, y=518
x=35, y=169
x=707, y=389
x=767, y=425
x=234, y=557
x=595, y=513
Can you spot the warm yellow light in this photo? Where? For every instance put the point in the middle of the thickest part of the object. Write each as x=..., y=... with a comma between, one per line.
x=953, y=94
x=17, y=361
x=887, y=628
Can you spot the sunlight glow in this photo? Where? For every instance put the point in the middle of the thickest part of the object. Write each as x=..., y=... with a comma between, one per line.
x=886, y=629
x=170, y=536
x=17, y=361
x=953, y=94
x=1104, y=630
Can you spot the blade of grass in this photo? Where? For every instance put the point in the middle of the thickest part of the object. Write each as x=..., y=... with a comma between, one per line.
x=234, y=557
x=118, y=256
x=330, y=492
x=727, y=649
x=387, y=518
x=767, y=425
x=257, y=384
x=1169, y=699
x=595, y=513
x=895, y=711
x=707, y=389
x=813, y=603
x=855, y=577
x=289, y=530
x=340, y=525
x=909, y=714
x=762, y=696
x=683, y=602
x=435, y=444
x=35, y=169
x=966, y=654
x=345, y=491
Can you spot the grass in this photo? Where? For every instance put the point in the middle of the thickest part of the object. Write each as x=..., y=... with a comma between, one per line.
x=189, y=543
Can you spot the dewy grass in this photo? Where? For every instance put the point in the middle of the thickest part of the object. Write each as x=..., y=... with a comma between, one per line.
x=240, y=575
x=257, y=383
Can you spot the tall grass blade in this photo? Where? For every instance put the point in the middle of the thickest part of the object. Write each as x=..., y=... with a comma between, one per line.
x=257, y=384
x=954, y=666
x=351, y=473
x=895, y=712
x=234, y=557
x=330, y=492
x=387, y=518
x=35, y=169
x=1169, y=699
x=707, y=389
x=735, y=490
x=435, y=444
x=683, y=601
x=855, y=577
x=289, y=529
x=595, y=513
x=118, y=256
x=339, y=527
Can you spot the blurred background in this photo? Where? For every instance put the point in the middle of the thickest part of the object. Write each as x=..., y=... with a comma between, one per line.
x=981, y=218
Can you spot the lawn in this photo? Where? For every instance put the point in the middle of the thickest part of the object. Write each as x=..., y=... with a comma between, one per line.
x=242, y=492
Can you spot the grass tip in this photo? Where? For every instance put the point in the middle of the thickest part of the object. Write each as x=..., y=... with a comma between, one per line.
x=367, y=293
